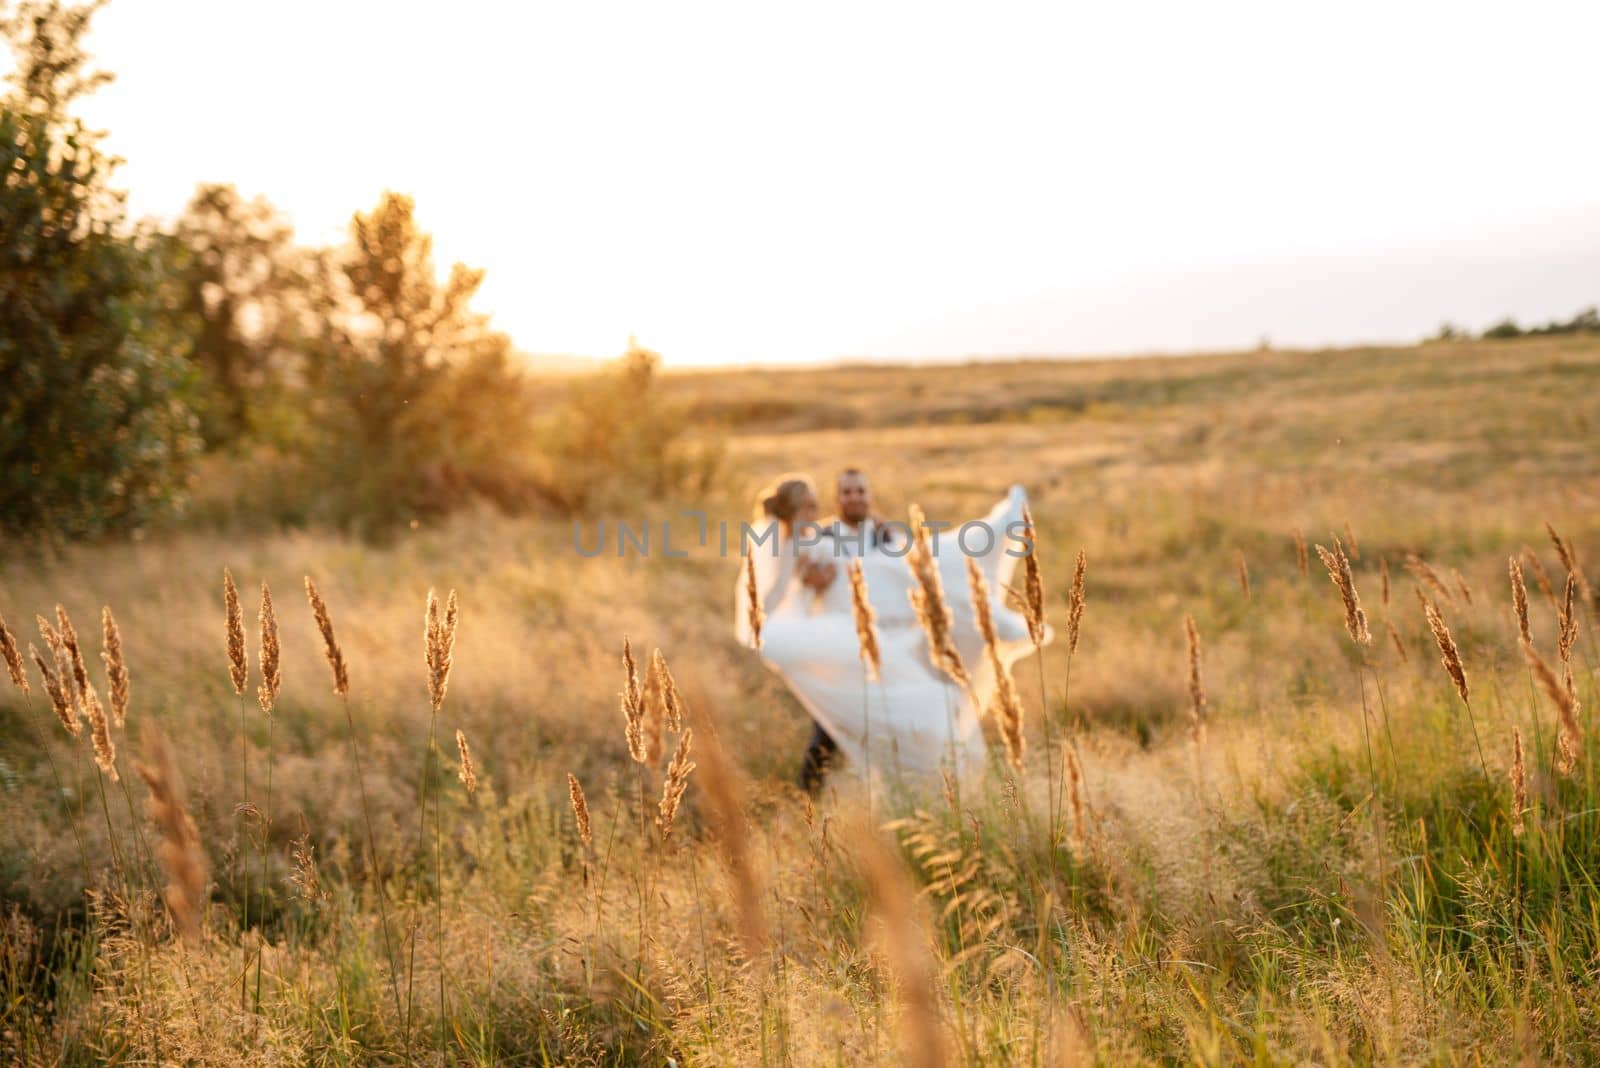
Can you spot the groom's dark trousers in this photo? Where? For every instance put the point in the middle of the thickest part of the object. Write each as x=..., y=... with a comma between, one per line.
x=820, y=753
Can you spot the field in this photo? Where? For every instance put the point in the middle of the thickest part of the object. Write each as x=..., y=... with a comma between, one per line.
x=1328, y=867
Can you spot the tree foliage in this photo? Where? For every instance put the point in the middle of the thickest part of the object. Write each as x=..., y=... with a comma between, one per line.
x=414, y=399
x=95, y=431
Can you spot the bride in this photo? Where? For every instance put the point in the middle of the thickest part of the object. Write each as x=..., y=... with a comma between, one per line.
x=912, y=718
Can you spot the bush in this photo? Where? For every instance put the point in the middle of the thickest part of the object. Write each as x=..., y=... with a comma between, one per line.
x=95, y=430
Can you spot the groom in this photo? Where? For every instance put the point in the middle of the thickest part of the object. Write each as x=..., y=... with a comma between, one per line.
x=852, y=531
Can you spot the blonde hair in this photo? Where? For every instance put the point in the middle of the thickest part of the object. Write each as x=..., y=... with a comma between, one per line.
x=781, y=499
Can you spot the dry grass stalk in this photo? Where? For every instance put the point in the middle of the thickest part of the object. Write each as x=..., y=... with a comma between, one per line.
x=1567, y=636
x=1075, y=602
x=655, y=709
x=1350, y=536
x=633, y=705
x=866, y=621
x=116, y=668
x=1569, y=560
x=181, y=856
x=238, y=665
x=73, y=653
x=1428, y=576
x=905, y=947
x=1449, y=656
x=271, y=673
x=928, y=600
x=59, y=691
x=752, y=594
x=1244, y=577
x=1197, y=693
x=1566, y=702
x=1300, y=558
x=1383, y=581
x=64, y=691
x=469, y=771
x=105, y=750
x=1519, y=783
x=719, y=784
x=677, y=781
x=304, y=876
x=1400, y=646
x=1338, y=565
x=1005, y=705
x=14, y=665
x=669, y=703
x=1566, y=753
x=440, y=644
x=330, y=644
x=580, y=810
x=1461, y=584
x=1519, y=600
x=1075, y=793
x=1032, y=582
x=1539, y=574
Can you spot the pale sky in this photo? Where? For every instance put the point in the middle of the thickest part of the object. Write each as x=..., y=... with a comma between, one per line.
x=761, y=182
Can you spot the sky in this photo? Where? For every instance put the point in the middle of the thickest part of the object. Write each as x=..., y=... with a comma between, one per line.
x=755, y=182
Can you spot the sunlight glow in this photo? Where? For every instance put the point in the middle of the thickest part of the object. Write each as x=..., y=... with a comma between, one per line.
x=746, y=182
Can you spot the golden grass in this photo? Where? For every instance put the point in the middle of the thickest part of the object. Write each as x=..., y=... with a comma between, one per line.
x=1199, y=926
x=233, y=625
x=676, y=782
x=182, y=857
x=928, y=601
x=13, y=658
x=1449, y=655
x=1339, y=571
x=468, y=771
x=866, y=620
x=271, y=653
x=1006, y=704
x=330, y=643
x=116, y=668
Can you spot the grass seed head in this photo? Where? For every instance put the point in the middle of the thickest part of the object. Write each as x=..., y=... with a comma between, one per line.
x=1449, y=655
x=1519, y=600
x=13, y=658
x=116, y=668
x=1032, y=582
x=59, y=690
x=1338, y=565
x=238, y=664
x=866, y=619
x=469, y=771
x=928, y=601
x=182, y=858
x=677, y=781
x=330, y=643
x=580, y=810
x=271, y=673
x=754, y=612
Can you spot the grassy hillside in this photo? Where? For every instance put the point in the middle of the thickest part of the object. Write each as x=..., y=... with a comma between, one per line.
x=1299, y=881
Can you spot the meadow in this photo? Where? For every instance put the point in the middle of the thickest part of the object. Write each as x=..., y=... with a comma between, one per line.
x=1335, y=857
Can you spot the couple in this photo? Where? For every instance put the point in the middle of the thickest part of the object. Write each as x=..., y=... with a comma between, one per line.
x=913, y=718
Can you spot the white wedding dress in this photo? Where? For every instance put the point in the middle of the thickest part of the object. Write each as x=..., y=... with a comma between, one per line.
x=913, y=719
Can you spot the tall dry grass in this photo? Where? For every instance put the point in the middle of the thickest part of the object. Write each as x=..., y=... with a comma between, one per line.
x=1274, y=923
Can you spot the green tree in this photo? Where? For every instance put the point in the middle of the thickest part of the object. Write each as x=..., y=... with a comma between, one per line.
x=415, y=399
x=95, y=431
x=243, y=286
